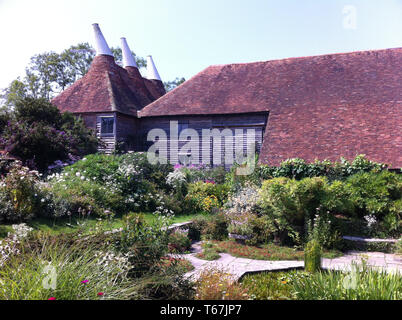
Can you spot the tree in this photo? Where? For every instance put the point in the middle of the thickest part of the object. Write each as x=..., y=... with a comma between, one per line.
x=170, y=85
x=39, y=134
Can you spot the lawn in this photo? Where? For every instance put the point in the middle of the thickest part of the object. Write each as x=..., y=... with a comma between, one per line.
x=85, y=225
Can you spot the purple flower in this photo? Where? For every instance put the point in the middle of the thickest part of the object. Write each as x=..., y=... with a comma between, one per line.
x=84, y=281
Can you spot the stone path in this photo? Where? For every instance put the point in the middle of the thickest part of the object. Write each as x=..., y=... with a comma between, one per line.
x=238, y=267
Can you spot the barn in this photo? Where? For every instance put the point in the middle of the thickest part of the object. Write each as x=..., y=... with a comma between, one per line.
x=319, y=107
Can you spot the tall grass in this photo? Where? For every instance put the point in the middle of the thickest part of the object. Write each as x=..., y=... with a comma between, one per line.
x=357, y=285
x=360, y=284
x=81, y=273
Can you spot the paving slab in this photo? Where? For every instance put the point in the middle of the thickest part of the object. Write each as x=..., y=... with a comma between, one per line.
x=238, y=267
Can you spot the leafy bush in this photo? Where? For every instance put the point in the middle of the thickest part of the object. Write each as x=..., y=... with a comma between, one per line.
x=374, y=193
x=205, y=196
x=20, y=194
x=39, y=135
x=195, y=173
x=292, y=199
x=268, y=286
x=216, y=227
x=298, y=169
x=322, y=229
x=145, y=242
x=179, y=241
x=109, y=183
x=196, y=228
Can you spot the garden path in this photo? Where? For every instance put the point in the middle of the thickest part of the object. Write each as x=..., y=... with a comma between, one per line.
x=238, y=267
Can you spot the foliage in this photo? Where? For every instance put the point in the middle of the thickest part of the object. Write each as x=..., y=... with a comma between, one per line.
x=39, y=134
x=374, y=193
x=298, y=169
x=268, y=286
x=292, y=199
x=215, y=284
x=179, y=241
x=20, y=195
x=361, y=284
x=206, y=196
x=398, y=247
x=196, y=227
x=83, y=272
x=112, y=183
x=312, y=256
x=216, y=227
x=322, y=229
x=365, y=284
x=145, y=242
x=170, y=85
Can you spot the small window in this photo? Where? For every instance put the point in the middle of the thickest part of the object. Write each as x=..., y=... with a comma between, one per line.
x=107, y=126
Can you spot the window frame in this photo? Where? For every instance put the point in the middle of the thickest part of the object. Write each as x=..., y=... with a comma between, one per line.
x=108, y=134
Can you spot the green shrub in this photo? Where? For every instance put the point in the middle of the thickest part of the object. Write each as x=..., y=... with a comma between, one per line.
x=298, y=169
x=323, y=230
x=312, y=256
x=215, y=284
x=375, y=193
x=263, y=230
x=144, y=242
x=216, y=227
x=94, y=198
x=398, y=247
x=196, y=228
x=179, y=241
x=205, y=196
x=268, y=286
x=292, y=199
x=337, y=199
x=39, y=134
x=21, y=197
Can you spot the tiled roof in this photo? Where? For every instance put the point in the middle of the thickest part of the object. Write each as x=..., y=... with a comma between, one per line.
x=106, y=87
x=319, y=107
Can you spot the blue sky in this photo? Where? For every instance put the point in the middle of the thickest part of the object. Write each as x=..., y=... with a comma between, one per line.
x=186, y=36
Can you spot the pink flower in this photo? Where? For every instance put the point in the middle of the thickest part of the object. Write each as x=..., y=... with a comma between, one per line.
x=100, y=294
x=52, y=298
x=84, y=281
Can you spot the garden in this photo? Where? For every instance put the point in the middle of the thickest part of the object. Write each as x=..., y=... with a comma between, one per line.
x=99, y=228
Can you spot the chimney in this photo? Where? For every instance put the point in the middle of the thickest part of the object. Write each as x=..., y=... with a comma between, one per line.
x=152, y=73
x=100, y=43
x=128, y=58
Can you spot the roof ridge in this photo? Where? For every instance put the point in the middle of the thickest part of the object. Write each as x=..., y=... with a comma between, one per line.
x=303, y=57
